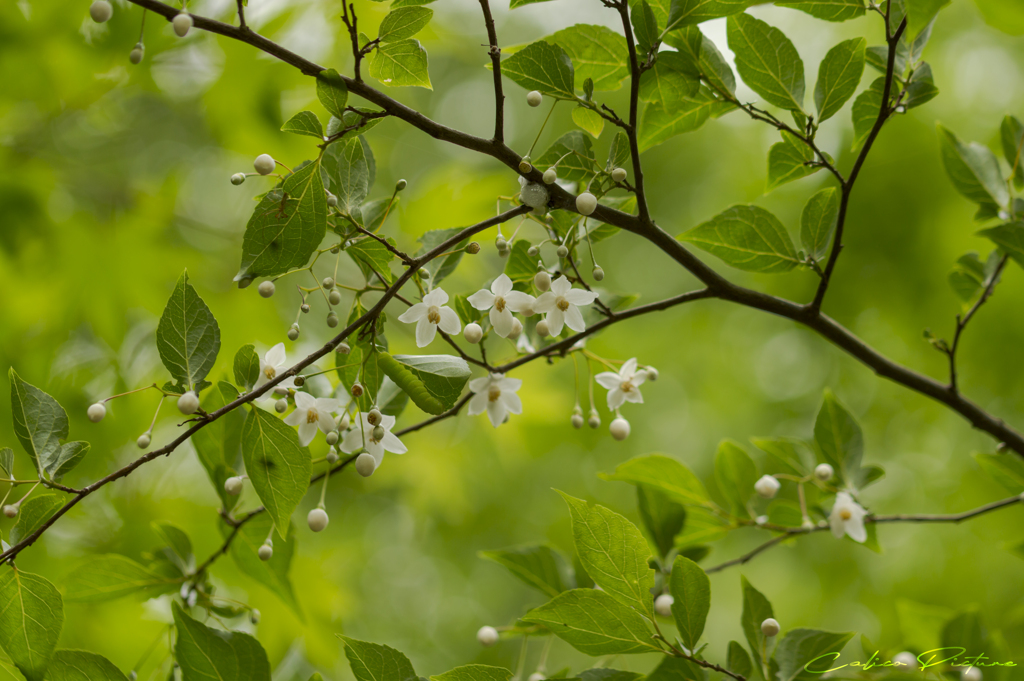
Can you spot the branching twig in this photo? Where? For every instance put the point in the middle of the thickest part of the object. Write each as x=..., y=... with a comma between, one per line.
x=961, y=322
x=495, y=53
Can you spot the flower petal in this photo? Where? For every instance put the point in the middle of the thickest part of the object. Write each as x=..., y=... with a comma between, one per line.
x=634, y=396
x=414, y=313
x=307, y=431
x=855, y=528
x=545, y=302
x=501, y=285
x=561, y=286
x=574, y=319
x=496, y=412
x=512, y=402
x=276, y=356
x=296, y=417
x=509, y=384
x=517, y=301
x=386, y=420
x=326, y=422
x=479, y=384
x=478, y=403
x=556, y=320
x=607, y=379
x=628, y=368
x=327, y=405
x=481, y=300
x=615, y=398
x=436, y=297
x=578, y=296
x=425, y=332
x=450, y=322
x=393, y=444
x=501, y=321
x=304, y=401
x=352, y=441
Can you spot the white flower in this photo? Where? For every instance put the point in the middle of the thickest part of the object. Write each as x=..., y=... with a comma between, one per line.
x=429, y=315
x=767, y=486
x=560, y=304
x=361, y=437
x=847, y=517
x=623, y=386
x=496, y=395
x=271, y=364
x=312, y=413
x=502, y=301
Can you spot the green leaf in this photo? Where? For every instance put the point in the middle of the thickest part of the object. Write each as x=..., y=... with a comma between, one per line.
x=838, y=77
x=247, y=366
x=677, y=669
x=35, y=511
x=207, y=653
x=594, y=623
x=920, y=15
x=304, y=123
x=963, y=630
x=219, y=444
x=511, y=5
x=660, y=122
x=703, y=59
x=738, y=661
x=576, y=152
x=788, y=160
x=178, y=543
x=7, y=461
x=800, y=647
x=661, y=517
x=1009, y=237
x=664, y=474
x=542, y=66
x=921, y=88
x=829, y=10
x=69, y=456
x=106, y=577
x=443, y=376
x=596, y=52
x=519, y=266
x=973, y=169
x=669, y=80
x=30, y=621
x=735, y=474
x=756, y=609
x=865, y=111
x=1008, y=471
x=767, y=61
x=401, y=63
x=276, y=465
x=618, y=152
x=273, y=573
x=474, y=672
x=375, y=662
x=1011, y=135
x=613, y=552
x=538, y=565
x=40, y=423
x=818, y=221
x=691, y=12
x=79, y=665
x=748, y=238
x=354, y=123
x=373, y=258
x=348, y=168
x=968, y=276
x=287, y=226
x=839, y=438
x=1008, y=17
x=404, y=22
x=589, y=120
x=605, y=674
x=645, y=26
x=332, y=92
x=440, y=268
x=691, y=591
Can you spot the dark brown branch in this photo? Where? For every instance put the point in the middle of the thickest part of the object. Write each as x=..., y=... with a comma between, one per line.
x=434, y=419
x=961, y=322
x=634, y=104
x=495, y=53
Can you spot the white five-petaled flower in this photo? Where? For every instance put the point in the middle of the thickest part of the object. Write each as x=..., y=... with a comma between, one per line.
x=312, y=413
x=361, y=437
x=496, y=395
x=502, y=301
x=561, y=305
x=623, y=386
x=431, y=314
x=847, y=517
x=271, y=364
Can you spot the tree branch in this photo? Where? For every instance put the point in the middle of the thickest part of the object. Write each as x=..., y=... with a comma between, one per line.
x=961, y=322
x=634, y=103
x=495, y=53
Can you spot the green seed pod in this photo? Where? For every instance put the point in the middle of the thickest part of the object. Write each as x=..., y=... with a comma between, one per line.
x=335, y=297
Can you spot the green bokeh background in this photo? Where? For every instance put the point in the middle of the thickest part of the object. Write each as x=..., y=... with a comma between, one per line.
x=115, y=180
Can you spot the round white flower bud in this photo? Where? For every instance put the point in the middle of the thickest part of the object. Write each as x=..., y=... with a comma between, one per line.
x=281, y=406
x=365, y=465
x=233, y=485
x=332, y=319
x=10, y=510
x=586, y=203
x=135, y=57
x=378, y=433
x=619, y=174
x=971, y=674
x=577, y=421
x=266, y=288
x=473, y=333
x=562, y=251
x=188, y=403
x=517, y=329
x=264, y=164
x=487, y=636
x=598, y=274
x=237, y=178
x=542, y=328
x=343, y=422
x=767, y=486
x=652, y=374
x=761, y=519
x=332, y=456
x=293, y=333
x=265, y=552
x=594, y=421
x=619, y=428
x=97, y=412
x=770, y=627
x=332, y=200
x=534, y=98
x=317, y=519
x=101, y=11
x=332, y=437
x=542, y=280
x=550, y=175
x=143, y=441
x=533, y=251
x=182, y=23
x=328, y=283
x=905, y=661
x=537, y=676
x=334, y=297
x=824, y=472
x=373, y=417
x=663, y=605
